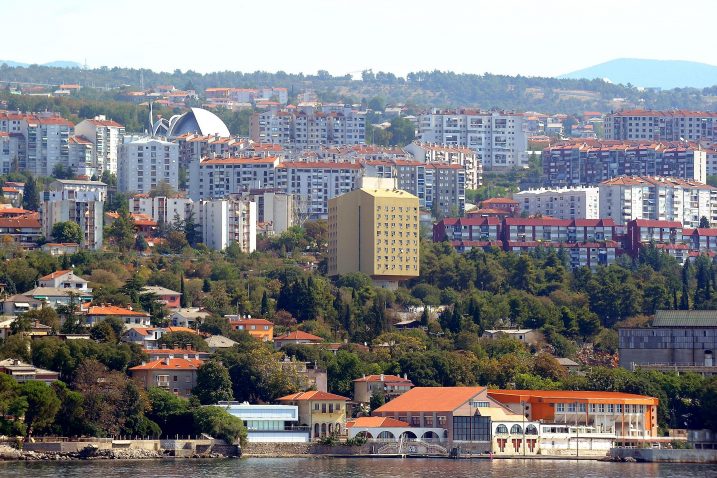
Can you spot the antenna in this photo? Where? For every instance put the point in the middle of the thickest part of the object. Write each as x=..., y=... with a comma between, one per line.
x=151, y=125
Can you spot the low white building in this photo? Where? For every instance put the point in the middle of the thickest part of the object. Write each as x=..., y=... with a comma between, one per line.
x=561, y=203
x=228, y=221
x=146, y=162
x=269, y=423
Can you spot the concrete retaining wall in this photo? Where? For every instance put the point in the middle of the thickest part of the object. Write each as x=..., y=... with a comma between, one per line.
x=662, y=455
x=180, y=448
x=293, y=449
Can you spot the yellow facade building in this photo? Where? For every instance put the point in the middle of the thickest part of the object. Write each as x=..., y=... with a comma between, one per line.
x=375, y=231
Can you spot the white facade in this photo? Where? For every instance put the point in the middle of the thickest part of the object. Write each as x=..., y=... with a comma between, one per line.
x=274, y=209
x=561, y=203
x=163, y=209
x=269, y=423
x=77, y=201
x=463, y=156
x=666, y=199
x=146, y=162
x=81, y=156
x=670, y=125
x=499, y=139
x=47, y=144
x=106, y=137
x=227, y=221
x=218, y=177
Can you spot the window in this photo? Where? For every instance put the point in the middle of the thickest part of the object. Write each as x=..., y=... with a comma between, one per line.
x=480, y=404
x=560, y=407
x=516, y=429
x=501, y=430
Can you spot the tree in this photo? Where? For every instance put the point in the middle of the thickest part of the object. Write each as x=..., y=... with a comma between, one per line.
x=170, y=412
x=176, y=241
x=31, y=196
x=42, y=405
x=183, y=297
x=704, y=222
x=67, y=231
x=121, y=231
x=73, y=321
x=378, y=398
x=60, y=171
x=163, y=189
x=213, y=383
x=218, y=423
x=140, y=244
x=264, y=309
x=70, y=418
x=182, y=339
x=192, y=230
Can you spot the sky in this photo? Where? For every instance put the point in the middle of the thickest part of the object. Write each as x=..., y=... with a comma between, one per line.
x=532, y=38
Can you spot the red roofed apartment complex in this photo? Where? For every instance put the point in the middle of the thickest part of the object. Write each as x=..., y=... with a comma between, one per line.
x=324, y=413
x=131, y=318
x=177, y=375
x=260, y=329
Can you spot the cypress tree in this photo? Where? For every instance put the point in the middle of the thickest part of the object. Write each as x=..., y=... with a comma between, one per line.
x=183, y=297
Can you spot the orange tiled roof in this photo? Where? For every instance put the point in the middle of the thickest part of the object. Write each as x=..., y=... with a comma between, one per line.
x=171, y=364
x=55, y=275
x=298, y=335
x=383, y=378
x=431, y=399
x=114, y=310
x=376, y=422
x=567, y=395
x=312, y=395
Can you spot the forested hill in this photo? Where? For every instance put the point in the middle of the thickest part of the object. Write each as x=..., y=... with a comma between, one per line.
x=549, y=95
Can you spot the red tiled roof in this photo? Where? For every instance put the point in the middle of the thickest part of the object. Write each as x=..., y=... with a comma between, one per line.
x=250, y=322
x=376, y=422
x=54, y=275
x=298, y=335
x=230, y=161
x=109, y=123
x=657, y=223
x=430, y=399
x=499, y=201
x=312, y=395
x=31, y=221
x=384, y=378
x=170, y=364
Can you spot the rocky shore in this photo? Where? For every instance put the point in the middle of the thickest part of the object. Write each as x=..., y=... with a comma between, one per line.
x=93, y=453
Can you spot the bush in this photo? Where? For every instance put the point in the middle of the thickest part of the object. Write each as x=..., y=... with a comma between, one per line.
x=358, y=440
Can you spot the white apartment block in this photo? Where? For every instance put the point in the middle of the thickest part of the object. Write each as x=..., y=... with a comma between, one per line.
x=676, y=125
x=215, y=178
x=106, y=137
x=313, y=183
x=163, y=209
x=657, y=198
x=228, y=221
x=275, y=210
x=309, y=127
x=561, y=203
x=82, y=156
x=77, y=201
x=12, y=147
x=47, y=144
x=146, y=162
x=463, y=156
x=499, y=139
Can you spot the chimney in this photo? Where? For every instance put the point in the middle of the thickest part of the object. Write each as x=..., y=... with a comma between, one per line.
x=166, y=361
x=382, y=377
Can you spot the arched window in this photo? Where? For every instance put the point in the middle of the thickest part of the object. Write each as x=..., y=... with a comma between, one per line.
x=408, y=435
x=331, y=428
x=430, y=436
x=385, y=435
x=317, y=431
x=364, y=434
x=337, y=429
x=501, y=430
x=531, y=430
x=516, y=429
x=323, y=429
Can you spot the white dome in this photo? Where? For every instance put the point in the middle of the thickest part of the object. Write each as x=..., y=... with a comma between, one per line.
x=198, y=121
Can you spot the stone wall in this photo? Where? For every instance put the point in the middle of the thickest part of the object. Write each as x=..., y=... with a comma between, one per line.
x=665, y=455
x=296, y=449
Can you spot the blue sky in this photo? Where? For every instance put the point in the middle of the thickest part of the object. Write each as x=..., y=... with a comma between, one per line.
x=529, y=37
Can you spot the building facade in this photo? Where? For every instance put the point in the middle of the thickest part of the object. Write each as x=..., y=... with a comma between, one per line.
x=374, y=232
x=146, y=162
x=76, y=201
x=106, y=136
x=228, y=221
x=672, y=125
x=589, y=162
x=561, y=203
x=499, y=139
x=657, y=198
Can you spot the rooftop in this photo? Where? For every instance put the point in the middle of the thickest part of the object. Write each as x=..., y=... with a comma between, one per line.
x=685, y=318
x=551, y=396
x=312, y=395
x=431, y=399
x=170, y=364
x=298, y=335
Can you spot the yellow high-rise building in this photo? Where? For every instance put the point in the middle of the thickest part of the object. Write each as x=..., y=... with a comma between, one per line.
x=375, y=231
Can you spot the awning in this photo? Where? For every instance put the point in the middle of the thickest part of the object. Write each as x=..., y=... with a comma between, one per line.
x=22, y=304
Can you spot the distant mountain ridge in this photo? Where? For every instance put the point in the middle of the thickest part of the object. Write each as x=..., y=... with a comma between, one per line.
x=666, y=74
x=55, y=64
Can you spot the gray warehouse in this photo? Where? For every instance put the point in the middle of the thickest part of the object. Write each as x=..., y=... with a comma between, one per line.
x=677, y=340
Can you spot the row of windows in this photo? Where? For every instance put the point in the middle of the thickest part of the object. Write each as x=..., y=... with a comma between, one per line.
x=598, y=408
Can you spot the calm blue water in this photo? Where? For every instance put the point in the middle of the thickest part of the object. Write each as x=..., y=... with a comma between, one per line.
x=350, y=467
